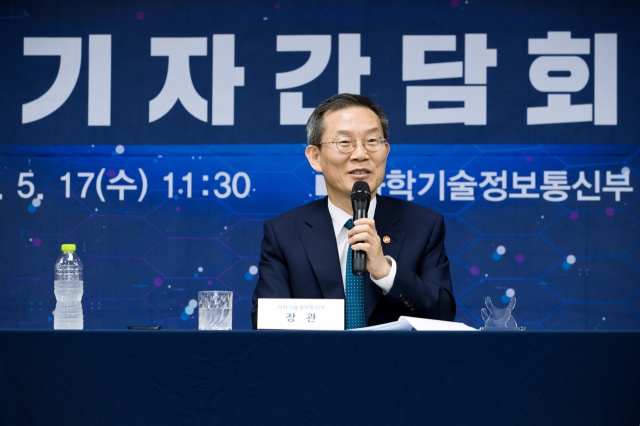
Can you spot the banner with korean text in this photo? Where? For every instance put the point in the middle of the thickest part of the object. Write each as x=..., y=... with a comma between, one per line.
x=158, y=137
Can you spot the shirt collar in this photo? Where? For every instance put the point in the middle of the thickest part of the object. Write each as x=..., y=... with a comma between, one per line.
x=339, y=217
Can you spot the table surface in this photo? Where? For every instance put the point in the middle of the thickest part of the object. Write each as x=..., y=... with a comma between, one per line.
x=350, y=378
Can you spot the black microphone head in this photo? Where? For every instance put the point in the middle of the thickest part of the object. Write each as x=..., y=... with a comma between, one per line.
x=360, y=191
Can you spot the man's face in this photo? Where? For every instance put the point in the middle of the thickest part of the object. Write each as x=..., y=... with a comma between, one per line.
x=342, y=170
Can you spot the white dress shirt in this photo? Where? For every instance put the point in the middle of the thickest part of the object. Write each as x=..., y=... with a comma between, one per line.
x=339, y=217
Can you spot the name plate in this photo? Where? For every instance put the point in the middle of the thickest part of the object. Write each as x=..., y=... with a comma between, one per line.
x=300, y=314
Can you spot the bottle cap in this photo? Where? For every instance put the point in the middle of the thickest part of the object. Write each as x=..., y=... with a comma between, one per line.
x=68, y=247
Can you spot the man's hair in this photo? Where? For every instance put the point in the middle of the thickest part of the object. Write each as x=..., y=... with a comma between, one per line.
x=315, y=124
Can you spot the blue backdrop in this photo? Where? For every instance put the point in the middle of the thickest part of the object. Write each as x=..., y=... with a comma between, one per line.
x=158, y=138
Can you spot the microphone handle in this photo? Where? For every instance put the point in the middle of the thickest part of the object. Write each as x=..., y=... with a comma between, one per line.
x=359, y=262
x=359, y=258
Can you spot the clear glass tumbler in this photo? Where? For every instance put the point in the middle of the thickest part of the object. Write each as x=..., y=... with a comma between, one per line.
x=214, y=310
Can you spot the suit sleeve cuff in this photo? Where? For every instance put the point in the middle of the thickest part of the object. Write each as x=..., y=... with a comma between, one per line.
x=386, y=283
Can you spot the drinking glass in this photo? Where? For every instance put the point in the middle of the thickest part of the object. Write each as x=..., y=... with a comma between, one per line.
x=214, y=310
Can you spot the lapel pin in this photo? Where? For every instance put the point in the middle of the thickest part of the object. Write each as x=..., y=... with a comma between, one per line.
x=386, y=239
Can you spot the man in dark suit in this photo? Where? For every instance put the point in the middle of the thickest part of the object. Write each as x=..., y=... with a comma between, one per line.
x=306, y=251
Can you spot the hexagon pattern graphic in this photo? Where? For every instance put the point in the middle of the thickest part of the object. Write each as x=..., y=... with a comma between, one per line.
x=573, y=264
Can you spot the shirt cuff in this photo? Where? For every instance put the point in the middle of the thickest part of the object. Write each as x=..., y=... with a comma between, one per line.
x=386, y=283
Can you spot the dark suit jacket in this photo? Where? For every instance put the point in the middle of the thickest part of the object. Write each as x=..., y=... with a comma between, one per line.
x=299, y=259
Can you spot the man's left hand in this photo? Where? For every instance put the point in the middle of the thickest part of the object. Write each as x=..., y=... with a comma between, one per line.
x=364, y=237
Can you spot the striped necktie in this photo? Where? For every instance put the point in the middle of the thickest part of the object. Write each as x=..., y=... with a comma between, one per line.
x=354, y=292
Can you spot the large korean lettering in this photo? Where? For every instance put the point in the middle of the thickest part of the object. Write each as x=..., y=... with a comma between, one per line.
x=561, y=72
x=473, y=95
x=350, y=67
x=178, y=85
x=69, y=49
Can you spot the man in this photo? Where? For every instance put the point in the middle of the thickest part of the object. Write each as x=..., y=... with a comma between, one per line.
x=306, y=253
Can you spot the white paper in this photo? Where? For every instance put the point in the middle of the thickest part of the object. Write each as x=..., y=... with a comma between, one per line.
x=390, y=326
x=420, y=324
x=300, y=314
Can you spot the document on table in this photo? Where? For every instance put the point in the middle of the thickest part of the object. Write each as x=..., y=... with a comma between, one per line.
x=420, y=324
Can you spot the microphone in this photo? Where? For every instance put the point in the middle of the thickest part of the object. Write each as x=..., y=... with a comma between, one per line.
x=360, y=199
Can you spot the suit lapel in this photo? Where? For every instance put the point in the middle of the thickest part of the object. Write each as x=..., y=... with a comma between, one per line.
x=386, y=226
x=319, y=241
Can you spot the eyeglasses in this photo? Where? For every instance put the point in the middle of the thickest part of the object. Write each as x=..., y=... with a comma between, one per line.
x=347, y=145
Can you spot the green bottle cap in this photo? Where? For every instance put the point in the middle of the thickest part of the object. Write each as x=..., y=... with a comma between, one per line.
x=68, y=247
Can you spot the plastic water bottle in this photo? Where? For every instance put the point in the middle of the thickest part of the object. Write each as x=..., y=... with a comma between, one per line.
x=68, y=288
